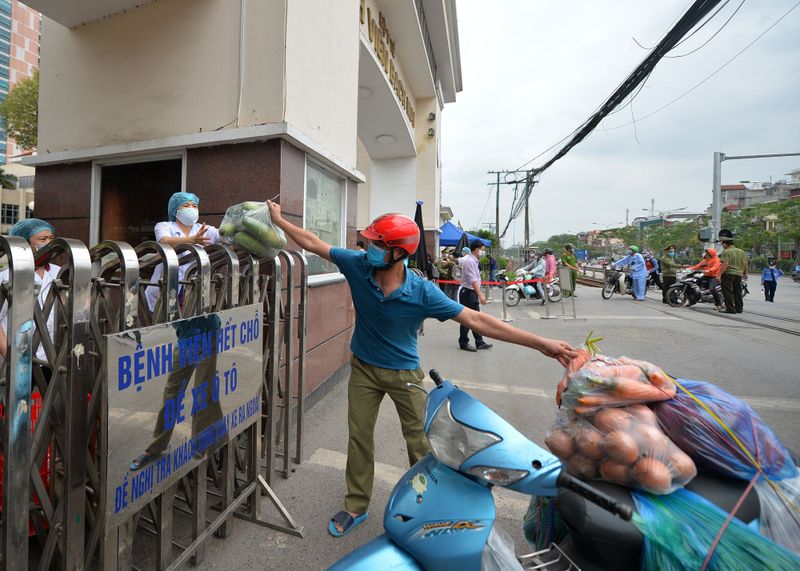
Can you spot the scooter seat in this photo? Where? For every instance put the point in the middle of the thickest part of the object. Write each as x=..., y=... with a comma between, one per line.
x=611, y=543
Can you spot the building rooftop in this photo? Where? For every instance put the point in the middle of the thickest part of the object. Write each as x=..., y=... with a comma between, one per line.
x=725, y=187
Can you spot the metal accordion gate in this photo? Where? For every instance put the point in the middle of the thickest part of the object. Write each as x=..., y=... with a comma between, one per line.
x=54, y=386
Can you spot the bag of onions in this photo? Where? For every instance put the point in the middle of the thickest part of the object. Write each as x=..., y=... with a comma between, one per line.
x=623, y=445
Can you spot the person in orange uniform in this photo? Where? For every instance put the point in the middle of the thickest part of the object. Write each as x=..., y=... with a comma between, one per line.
x=710, y=265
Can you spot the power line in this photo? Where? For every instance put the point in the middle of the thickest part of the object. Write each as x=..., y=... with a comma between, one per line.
x=715, y=72
x=690, y=19
x=714, y=35
x=694, y=14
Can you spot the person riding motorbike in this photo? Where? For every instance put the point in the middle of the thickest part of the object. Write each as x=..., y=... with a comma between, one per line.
x=710, y=265
x=638, y=271
x=537, y=268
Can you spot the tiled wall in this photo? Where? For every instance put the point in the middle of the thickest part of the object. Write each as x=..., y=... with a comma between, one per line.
x=222, y=176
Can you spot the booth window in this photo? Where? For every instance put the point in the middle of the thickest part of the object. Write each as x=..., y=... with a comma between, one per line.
x=10, y=214
x=325, y=213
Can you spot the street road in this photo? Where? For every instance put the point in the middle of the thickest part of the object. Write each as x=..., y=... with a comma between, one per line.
x=756, y=363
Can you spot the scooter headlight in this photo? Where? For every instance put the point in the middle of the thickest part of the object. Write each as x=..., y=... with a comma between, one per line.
x=498, y=476
x=452, y=442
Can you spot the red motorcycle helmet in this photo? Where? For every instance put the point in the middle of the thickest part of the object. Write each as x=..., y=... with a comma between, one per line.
x=712, y=252
x=394, y=230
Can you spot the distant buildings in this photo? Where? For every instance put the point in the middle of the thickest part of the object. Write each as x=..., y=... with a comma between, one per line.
x=744, y=195
x=19, y=59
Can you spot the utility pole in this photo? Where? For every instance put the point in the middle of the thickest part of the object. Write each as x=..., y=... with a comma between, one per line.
x=497, y=214
x=527, y=234
x=497, y=184
x=627, y=211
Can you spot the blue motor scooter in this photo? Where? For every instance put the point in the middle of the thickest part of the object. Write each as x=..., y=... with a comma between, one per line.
x=441, y=513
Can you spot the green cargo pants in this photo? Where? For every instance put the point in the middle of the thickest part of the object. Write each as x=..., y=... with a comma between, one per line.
x=365, y=392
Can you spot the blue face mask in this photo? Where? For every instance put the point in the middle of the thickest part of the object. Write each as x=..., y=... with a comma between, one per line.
x=376, y=257
x=671, y=254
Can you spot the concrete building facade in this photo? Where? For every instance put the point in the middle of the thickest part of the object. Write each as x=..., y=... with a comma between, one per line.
x=333, y=106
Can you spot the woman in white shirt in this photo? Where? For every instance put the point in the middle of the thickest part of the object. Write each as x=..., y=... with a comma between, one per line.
x=38, y=233
x=182, y=228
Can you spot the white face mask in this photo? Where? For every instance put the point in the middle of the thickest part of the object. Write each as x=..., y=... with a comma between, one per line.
x=188, y=216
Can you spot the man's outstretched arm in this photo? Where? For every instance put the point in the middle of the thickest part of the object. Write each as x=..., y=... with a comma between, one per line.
x=492, y=327
x=303, y=238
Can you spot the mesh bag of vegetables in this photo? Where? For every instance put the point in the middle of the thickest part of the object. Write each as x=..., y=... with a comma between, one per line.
x=248, y=225
x=725, y=436
x=681, y=532
x=604, y=430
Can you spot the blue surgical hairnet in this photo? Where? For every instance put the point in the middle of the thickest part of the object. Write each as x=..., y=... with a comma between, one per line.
x=27, y=228
x=177, y=199
x=465, y=250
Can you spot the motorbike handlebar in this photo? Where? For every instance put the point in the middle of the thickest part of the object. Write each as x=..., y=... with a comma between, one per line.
x=620, y=509
x=435, y=377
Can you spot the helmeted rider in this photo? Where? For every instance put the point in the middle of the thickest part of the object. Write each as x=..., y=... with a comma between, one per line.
x=537, y=269
x=710, y=265
x=391, y=303
x=638, y=271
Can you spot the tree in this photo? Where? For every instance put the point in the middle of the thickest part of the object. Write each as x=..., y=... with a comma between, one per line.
x=7, y=181
x=20, y=112
x=486, y=235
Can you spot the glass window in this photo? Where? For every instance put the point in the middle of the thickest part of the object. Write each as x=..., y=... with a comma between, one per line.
x=325, y=213
x=10, y=214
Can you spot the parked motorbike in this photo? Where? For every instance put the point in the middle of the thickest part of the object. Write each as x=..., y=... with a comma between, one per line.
x=796, y=274
x=441, y=513
x=693, y=288
x=515, y=292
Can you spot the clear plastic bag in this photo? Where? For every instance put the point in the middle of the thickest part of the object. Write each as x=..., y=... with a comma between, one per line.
x=499, y=553
x=680, y=528
x=779, y=519
x=248, y=225
x=623, y=445
x=592, y=382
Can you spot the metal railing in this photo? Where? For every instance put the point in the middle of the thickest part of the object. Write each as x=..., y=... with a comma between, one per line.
x=54, y=446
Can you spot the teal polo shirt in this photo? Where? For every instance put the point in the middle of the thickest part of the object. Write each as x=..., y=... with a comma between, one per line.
x=386, y=326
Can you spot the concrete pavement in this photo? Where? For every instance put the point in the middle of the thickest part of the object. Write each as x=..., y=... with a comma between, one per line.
x=760, y=365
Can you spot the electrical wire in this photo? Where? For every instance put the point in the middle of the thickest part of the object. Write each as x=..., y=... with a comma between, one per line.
x=696, y=12
x=712, y=74
x=714, y=35
x=485, y=205
x=701, y=26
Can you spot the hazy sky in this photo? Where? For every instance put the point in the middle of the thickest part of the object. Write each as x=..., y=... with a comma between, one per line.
x=535, y=69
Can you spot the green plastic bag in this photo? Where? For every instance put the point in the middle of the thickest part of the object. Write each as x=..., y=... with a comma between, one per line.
x=543, y=525
x=679, y=529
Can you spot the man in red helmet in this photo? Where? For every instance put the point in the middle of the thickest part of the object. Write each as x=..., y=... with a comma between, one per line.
x=391, y=303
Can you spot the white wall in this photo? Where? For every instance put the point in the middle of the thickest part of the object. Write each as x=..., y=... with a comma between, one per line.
x=364, y=190
x=428, y=169
x=162, y=69
x=394, y=187
x=322, y=73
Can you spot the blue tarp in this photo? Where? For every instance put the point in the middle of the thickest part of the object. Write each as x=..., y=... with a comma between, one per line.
x=451, y=235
